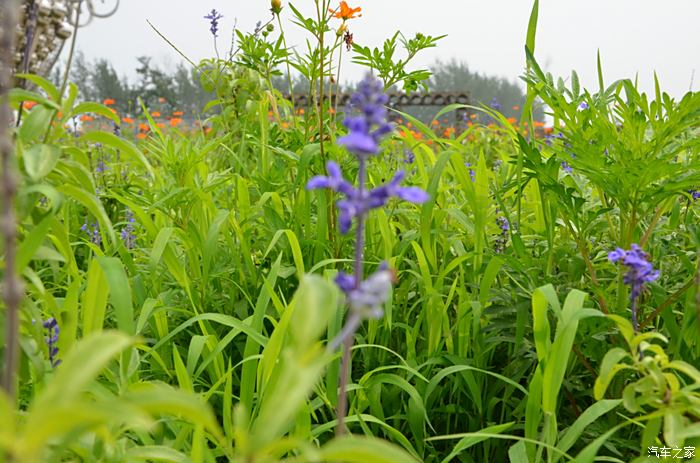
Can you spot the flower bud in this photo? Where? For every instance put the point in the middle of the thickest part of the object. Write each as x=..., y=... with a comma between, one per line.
x=270, y=27
x=276, y=6
x=341, y=30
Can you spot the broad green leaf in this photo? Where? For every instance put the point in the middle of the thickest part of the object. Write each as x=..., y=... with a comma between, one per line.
x=40, y=159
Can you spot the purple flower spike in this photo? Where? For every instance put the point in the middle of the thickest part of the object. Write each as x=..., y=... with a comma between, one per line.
x=370, y=295
x=214, y=18
x=640, y=272
x=334, y=181
x=368, y=128
x=52, y=340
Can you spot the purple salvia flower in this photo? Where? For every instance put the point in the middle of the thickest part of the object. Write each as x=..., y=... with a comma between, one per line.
x=93, y=231
x=127, y=233
x=409, y=156
x=640, y=272
x=52, y=341
x=502, y=238
x=368, y=128
x=214, y=18
x=583, y=105
x=495, y=104
x=365, y=297
x=359, y=202
x=472, y=172
x=695, y=194
x=566, y=167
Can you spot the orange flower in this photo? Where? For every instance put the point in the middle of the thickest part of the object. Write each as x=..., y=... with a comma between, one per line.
x=473, y=116
x=144, y=127
x=161, y=100
x=511, y=120
x=108, y=102
x=435, y=122
x=160, y=125
x=345, y=12
x=127, y=120
x=175, y=121
x=141, y=136
x=516, y=108
x=28, y=104
x=178, y=113
x=155, y=114
x=86, y=118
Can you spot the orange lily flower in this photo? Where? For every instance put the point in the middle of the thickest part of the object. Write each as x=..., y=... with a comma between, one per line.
x=345, y=12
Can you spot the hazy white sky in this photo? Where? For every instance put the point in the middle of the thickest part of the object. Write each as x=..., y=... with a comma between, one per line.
x=634, y=36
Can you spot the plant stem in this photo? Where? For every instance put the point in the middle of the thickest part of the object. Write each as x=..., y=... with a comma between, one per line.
x=346, y=360
x=71, y=52
x=289, y=73
x=672, y=298
x=12, y=291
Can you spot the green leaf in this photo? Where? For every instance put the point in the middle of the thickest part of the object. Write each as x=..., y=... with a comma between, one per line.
x=608, y=368
x=148, y=453
x=35, y=124
x=44, y=84
x=18, y=95
x=79, y=368
x=40, y=159
x=471, y=440
x=96, y=108
x=94, y=299
x=119, y=293
x=588, y=417
x=125, y=146
x=363, y=450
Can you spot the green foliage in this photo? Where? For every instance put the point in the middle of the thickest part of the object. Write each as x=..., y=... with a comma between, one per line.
x=392, y=70
x=203, y=337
